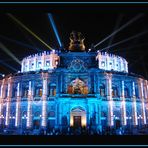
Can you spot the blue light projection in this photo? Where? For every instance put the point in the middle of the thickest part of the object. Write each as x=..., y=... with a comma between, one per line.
x=62, y=93
x=54, y=28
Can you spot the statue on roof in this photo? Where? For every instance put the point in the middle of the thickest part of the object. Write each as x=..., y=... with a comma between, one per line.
x=76, y=42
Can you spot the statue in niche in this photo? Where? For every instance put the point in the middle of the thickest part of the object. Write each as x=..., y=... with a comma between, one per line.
x=77, y=86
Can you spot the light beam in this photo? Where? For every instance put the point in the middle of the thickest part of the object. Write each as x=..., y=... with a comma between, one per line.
x=7, y=65
x=6, y=50
x=54, y=28
x=115, y=28
x=18, y=42
x=128, y=39
x=121, y=28
x=138, y=45
x=27, y=29
x=27, y=36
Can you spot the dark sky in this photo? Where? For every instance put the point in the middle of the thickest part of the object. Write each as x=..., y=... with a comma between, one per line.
x=95, y=22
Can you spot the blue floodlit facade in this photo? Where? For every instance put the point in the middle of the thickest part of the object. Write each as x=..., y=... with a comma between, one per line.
x=74, y=87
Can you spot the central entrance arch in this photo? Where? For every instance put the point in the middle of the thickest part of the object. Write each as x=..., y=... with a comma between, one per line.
x=78, y=117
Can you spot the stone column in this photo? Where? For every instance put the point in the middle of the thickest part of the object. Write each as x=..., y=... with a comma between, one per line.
x=99, y=117
x=110, y=121
x=35, y=63
x=60, y=114
x=29, y=108
x=142, y=101
x=44, y=100
x=2, y=95
x=28, y=65
x=99, y=113
x=88, y=115
x=123, y=106
x=51, y=60
x=126, y=66
x=107, y=62
x=17, y=114
x=22, y=68
x=115, y=63
x=43, y=61
x=96, y=110
x=146, y=97
x=95, y=84
x=145, y=90
x=56, y=115
x=9, y=95
x=134, y=106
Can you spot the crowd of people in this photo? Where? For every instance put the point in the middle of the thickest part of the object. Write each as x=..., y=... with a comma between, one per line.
x=80, y=131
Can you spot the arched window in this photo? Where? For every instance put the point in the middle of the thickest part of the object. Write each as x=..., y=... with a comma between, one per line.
x=38, y=91
x=126, y=92
x=24, y=114
x=6, y=91
x=114, y=92
x=39, y=64
x=52, y=90
x=25, y=92
x=37, y=114
x=136, y=91
x=14, y=92
x=102, y=90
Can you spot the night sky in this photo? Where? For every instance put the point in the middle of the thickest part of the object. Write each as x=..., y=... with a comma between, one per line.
x=95, y=22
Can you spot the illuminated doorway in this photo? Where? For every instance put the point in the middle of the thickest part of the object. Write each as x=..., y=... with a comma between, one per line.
x=77, y=121
x=78, y=117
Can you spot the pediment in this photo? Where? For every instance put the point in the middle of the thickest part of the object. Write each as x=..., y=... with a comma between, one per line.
x=78, y=110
